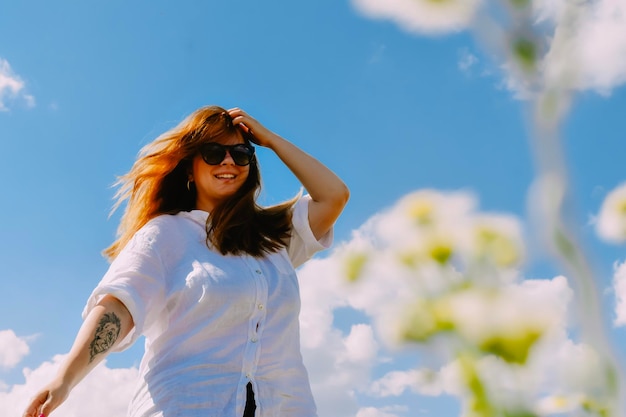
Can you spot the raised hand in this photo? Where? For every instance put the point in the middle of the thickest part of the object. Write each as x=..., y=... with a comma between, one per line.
x=260, y=135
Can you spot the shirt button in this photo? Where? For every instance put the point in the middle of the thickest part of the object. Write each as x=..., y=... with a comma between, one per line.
x=248, y=375
x=254, y=340
x=261, y=306
x=258, y=271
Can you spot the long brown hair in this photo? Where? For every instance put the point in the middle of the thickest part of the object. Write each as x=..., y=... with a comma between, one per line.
x=157, y=184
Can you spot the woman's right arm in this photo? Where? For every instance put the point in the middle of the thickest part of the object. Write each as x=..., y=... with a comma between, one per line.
x=106, y=325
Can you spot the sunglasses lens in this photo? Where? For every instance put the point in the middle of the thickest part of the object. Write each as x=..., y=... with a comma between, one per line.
x=241, y=154
x=213, y=154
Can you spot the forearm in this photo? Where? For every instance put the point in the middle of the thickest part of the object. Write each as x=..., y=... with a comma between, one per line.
x=319, y=181
x=328, y=193
x=105, y=326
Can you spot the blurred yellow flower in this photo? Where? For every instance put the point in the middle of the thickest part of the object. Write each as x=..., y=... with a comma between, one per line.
x=354, y=264
x=611, y=220
x=502, y=249
x=421, y=209
x=425, y=16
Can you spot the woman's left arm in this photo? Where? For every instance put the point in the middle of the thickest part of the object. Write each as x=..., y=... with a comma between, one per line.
x=328, y=193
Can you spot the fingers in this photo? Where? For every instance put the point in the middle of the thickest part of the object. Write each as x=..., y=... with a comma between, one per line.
x=240, y=118
x=36, y=409
x=43, y=404
x=257, y=133
x=47, y=407
x=236, y=111
x=247, y=124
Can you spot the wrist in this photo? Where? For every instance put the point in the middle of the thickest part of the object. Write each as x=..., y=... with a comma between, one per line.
x=275, y=143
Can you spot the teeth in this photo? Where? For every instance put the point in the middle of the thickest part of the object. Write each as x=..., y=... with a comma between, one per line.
x=225, y=176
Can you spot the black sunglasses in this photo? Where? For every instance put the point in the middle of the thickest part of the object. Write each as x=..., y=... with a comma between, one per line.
x=214, y=153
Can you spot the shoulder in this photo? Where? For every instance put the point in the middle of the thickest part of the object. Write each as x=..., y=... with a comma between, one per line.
x=157, y=228
x=165, y=231
x=164, y=239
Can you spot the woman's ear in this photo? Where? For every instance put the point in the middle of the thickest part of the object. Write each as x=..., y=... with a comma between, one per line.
x=190, y=171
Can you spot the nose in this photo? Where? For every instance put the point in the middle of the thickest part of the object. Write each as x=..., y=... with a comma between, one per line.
x=228, y=160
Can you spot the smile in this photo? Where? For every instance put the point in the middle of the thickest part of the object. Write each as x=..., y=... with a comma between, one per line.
x=225, y=176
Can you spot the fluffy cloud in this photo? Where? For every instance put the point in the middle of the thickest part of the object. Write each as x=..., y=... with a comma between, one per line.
x=104, y=392
x=378, y=412
x=12, y=349
x=12, y=87
x=419, y=381
x=339, y=364
x=467, y=60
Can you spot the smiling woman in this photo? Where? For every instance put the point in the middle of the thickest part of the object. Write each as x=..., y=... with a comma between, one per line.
x=207, y=276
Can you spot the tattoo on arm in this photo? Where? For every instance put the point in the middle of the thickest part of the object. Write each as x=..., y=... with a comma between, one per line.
x=106, y=334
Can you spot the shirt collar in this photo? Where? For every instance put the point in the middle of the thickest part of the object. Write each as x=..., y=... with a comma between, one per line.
x=197, y=216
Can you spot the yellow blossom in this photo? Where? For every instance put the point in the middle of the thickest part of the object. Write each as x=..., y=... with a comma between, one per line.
x=354, y=264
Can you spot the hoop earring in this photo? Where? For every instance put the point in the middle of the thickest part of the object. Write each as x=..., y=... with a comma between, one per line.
x=188, y=185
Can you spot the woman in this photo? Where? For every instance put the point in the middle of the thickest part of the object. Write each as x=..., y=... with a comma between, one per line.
x=207, y=276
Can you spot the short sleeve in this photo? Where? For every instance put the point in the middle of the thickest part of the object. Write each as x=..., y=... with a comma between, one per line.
x=303, y=244
x=137, y=278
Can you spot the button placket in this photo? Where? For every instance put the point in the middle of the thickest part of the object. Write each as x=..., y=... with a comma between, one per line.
x=257, y=318
x=259, y=315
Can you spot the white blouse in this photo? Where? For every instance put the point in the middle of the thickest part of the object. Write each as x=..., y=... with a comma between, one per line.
x=213, y=323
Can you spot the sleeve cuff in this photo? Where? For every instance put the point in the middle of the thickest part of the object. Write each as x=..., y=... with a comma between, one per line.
x=303, y=244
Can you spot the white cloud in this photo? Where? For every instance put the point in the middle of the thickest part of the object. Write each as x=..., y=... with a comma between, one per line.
x=338, y=364
x=422, y=16
x=376, y=412
x=619, y=286
x=421, y=381
x=12, y=349
x=104, y=392
x=360, y=344
x=467, y=60
x=12, y=87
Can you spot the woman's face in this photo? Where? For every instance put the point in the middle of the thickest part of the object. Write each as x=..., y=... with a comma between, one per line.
x=215, y=183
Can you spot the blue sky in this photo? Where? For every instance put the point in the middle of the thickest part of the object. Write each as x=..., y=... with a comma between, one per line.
x=83, y=85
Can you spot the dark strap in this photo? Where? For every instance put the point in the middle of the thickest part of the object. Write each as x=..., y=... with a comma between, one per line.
x=250, y=404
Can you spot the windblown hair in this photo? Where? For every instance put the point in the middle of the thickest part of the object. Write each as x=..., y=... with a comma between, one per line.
x=157, y=184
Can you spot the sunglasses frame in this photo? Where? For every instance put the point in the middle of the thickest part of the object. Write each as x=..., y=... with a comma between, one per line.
x=236, y=152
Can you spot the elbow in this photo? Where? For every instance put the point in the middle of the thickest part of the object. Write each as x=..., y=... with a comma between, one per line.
x=345, y=195
x=115, y=306
x=342, y=195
